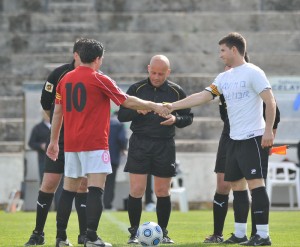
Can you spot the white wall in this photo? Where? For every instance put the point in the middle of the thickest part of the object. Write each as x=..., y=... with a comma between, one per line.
x=199, y=177
x=11, y=174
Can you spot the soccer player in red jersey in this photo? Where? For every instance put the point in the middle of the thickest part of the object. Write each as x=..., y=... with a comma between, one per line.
x=83, y=102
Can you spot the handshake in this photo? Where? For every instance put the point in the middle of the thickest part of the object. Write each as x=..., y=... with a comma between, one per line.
x=163, y=109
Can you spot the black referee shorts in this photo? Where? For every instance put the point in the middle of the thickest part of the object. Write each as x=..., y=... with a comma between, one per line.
x=57, y=166
x=246, y=158
x=151, y=156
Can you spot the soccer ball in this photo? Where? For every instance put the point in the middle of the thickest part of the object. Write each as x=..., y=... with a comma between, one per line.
x=149, y=234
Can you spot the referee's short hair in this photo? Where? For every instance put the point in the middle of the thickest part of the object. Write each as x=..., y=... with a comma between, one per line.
x=91, y=49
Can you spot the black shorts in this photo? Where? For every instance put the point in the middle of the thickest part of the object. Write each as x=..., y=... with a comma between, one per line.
x=57, y=166
x=246, y=158
x=221, y=154
x=151, y=156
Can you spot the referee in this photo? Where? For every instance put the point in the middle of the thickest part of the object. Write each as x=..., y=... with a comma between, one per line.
x=152, y=146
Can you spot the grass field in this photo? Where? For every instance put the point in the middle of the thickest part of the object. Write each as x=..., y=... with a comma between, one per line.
x=186, y=229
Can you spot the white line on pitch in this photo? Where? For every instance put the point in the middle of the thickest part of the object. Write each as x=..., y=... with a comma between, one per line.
x=120, y=224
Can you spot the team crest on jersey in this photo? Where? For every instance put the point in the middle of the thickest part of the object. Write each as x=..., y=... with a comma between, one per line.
x=105, y=157
x=49, y=87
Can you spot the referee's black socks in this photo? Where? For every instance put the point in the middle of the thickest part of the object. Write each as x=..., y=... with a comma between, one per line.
x=44, y=202
x=163, y=211
x=134, y=211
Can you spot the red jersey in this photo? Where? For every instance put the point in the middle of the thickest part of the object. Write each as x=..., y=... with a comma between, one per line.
x=85, y=96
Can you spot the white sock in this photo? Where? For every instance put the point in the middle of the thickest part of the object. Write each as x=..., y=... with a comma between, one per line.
x=240, y=229
x=262, y=230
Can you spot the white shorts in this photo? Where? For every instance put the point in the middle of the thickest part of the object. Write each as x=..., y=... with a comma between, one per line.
x=79, y=164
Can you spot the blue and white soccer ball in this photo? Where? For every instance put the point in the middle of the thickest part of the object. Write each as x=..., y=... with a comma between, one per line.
x=149, y=234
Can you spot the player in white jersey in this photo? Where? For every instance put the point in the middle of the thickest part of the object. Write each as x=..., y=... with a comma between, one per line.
x=245, y=88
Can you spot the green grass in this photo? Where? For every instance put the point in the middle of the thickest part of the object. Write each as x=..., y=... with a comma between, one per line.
x=186, y=229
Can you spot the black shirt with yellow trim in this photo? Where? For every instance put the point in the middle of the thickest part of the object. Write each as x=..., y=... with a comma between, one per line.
x=149, y=125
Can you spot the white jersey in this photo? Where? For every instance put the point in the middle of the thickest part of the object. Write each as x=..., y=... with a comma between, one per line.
x=241, y=87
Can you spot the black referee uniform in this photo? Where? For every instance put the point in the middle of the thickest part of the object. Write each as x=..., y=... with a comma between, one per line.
x=48, y=102
x=152, y=146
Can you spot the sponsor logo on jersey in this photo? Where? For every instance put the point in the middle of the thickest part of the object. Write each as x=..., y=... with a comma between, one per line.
x=49, y=87
x=250, y=135
x=253, y=171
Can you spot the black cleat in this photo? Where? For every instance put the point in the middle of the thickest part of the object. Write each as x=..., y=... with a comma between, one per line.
x=213, y=239
x=81, y=238
x=98, y=243
x=166, y=239
x=235, y=240
x=36, y=239
x=257, y=241
x=62, y=243
x=133, y=238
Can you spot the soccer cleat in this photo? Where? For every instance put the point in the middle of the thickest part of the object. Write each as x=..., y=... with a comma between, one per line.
x=257, y=241
x=213, y=239
x=133, y=238
x=235, y=240
x=62, y=243
x=36, y=239
x=166, y=239
x=98, y=243
x=81, y=238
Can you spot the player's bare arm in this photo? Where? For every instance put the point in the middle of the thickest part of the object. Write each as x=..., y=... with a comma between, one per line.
x=143, y=112
x=195, y=99
x=268, y=136
x=135, y=103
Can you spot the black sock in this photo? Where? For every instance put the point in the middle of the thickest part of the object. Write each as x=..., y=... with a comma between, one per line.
x=220, y=208
x=94, y=208
x=80, y=204
x=241, y=206
x=134, y=210
x=253, y=222
x=260, y=204
x=63, y=213
x=44, y=202
x=163, y=211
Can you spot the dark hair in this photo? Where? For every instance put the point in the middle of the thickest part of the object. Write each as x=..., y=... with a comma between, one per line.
x=246, y=57
x=78, y=44
x=90, y=50
x=234, y=39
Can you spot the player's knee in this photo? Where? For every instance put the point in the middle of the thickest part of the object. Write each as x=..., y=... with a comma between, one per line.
x=83, y=186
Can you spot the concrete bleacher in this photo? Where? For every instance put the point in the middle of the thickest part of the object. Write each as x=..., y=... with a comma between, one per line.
x=38, y=35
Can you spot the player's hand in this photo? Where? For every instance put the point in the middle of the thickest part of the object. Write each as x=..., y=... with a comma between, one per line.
x=167, y=109
x=162, y=110
x=52, y=151
x=171, y=119
x=267, y=140
x=144, y=112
